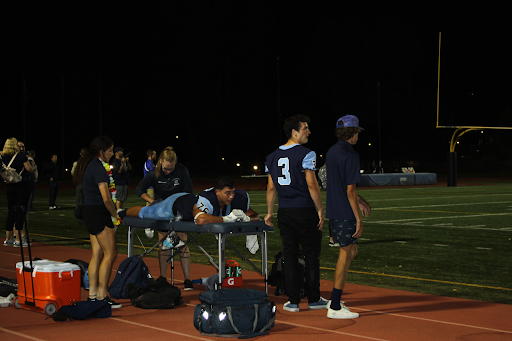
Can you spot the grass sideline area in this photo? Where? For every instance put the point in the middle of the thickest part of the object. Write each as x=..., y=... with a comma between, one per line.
x=448, y=241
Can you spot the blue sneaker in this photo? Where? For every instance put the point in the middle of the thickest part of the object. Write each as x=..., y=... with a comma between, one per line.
x=288, y=306
x=321, y=304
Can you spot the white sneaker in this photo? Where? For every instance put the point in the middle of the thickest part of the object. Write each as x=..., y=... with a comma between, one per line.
x=343, y=313
x=23, y=243
x=9, y=242
x=149, y=233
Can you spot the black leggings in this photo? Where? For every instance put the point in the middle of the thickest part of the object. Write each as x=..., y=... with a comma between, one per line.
x=18, y=195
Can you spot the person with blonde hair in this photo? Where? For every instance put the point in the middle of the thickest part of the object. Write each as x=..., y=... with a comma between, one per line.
x=168, y=178
x=18, y=194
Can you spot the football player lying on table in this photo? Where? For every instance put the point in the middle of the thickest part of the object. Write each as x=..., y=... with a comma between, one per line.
x=222, y=203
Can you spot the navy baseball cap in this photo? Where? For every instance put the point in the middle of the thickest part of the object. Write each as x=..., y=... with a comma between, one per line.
x=348, y=121
x=118, y=149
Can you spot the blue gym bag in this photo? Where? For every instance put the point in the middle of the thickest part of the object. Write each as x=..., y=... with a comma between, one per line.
x=241, y=313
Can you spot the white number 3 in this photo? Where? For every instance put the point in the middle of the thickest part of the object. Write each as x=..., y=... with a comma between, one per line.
x=284, y=180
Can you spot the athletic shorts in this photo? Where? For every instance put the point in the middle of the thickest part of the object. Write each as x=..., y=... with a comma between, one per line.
x=342, y=231
x=96, y=217
x=161, y=211
x=122, y=192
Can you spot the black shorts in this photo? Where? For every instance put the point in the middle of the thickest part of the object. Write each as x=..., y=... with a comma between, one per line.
x=96, y=217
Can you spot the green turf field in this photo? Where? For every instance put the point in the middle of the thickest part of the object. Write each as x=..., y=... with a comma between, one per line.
x=449, y=241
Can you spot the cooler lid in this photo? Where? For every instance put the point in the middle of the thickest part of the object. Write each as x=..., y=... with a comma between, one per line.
x=45, y=265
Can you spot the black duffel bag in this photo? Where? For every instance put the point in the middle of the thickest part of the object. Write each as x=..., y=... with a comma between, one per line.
x=239, y=313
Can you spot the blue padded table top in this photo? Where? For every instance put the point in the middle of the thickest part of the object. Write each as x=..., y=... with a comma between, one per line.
x=189, y=226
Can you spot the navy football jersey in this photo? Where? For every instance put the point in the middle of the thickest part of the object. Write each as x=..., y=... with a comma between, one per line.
x=209, y=203
x=286, y=166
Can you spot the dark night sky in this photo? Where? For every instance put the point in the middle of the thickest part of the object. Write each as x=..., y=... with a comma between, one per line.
x=208, y=73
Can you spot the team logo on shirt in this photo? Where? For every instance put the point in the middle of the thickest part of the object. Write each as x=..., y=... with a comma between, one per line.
x=176, y=181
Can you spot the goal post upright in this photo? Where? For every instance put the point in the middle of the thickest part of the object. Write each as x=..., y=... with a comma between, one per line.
x=459, y=130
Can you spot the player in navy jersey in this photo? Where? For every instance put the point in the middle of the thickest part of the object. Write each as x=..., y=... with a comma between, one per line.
x=291, y=173
x=222, y=203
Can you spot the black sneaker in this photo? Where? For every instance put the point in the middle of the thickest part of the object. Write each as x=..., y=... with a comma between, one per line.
x=113, y=304
x=91, y=299
x=188, y=285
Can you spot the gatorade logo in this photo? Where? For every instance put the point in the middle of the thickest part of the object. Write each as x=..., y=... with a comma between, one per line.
x=231, y=281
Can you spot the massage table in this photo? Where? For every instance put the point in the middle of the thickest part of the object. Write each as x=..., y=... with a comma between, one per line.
x=221, y=230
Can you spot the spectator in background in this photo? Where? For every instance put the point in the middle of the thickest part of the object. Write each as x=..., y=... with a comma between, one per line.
x=79, y=194
x=17, y=193
x=35, y=176
x=120, y=168
x=149, y=165
x=53, y=174
x=82, y=152
x=21, y=147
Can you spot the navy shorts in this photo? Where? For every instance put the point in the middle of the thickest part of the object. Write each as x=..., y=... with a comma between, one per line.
x=342, y=231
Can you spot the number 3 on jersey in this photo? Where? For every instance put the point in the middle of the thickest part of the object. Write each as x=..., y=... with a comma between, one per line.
x=284, y=180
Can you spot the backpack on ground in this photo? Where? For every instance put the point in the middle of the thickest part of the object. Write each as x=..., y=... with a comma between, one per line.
x=84, y=266
x=241, y=313
x=159, y=294
x=132, y=270
x=83, y=310
x=276, y=274
x=8, y=286
x=9, y=174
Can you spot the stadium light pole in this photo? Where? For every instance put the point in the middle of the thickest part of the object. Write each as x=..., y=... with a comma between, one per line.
x=378, y=110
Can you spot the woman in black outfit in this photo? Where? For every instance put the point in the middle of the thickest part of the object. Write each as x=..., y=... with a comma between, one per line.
x=169, y=178
x=99, y=214
x=18, y=194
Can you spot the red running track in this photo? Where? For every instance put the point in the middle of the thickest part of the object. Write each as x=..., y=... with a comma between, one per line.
x=385, y=314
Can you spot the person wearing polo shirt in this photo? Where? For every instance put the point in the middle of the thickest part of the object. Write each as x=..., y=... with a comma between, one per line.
x=345, y=220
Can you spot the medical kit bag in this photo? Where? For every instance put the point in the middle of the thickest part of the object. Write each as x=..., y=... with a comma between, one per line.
x=132, y=270
x=241, y=313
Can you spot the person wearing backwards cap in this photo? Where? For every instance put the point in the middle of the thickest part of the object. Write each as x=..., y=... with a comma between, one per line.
x=121, y=167
x=345, y=221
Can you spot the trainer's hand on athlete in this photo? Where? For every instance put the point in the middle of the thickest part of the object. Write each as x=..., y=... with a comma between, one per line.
x=154, y=202
x=359, y=229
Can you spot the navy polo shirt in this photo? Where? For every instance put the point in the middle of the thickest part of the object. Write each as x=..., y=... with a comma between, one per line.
x=343, y=169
